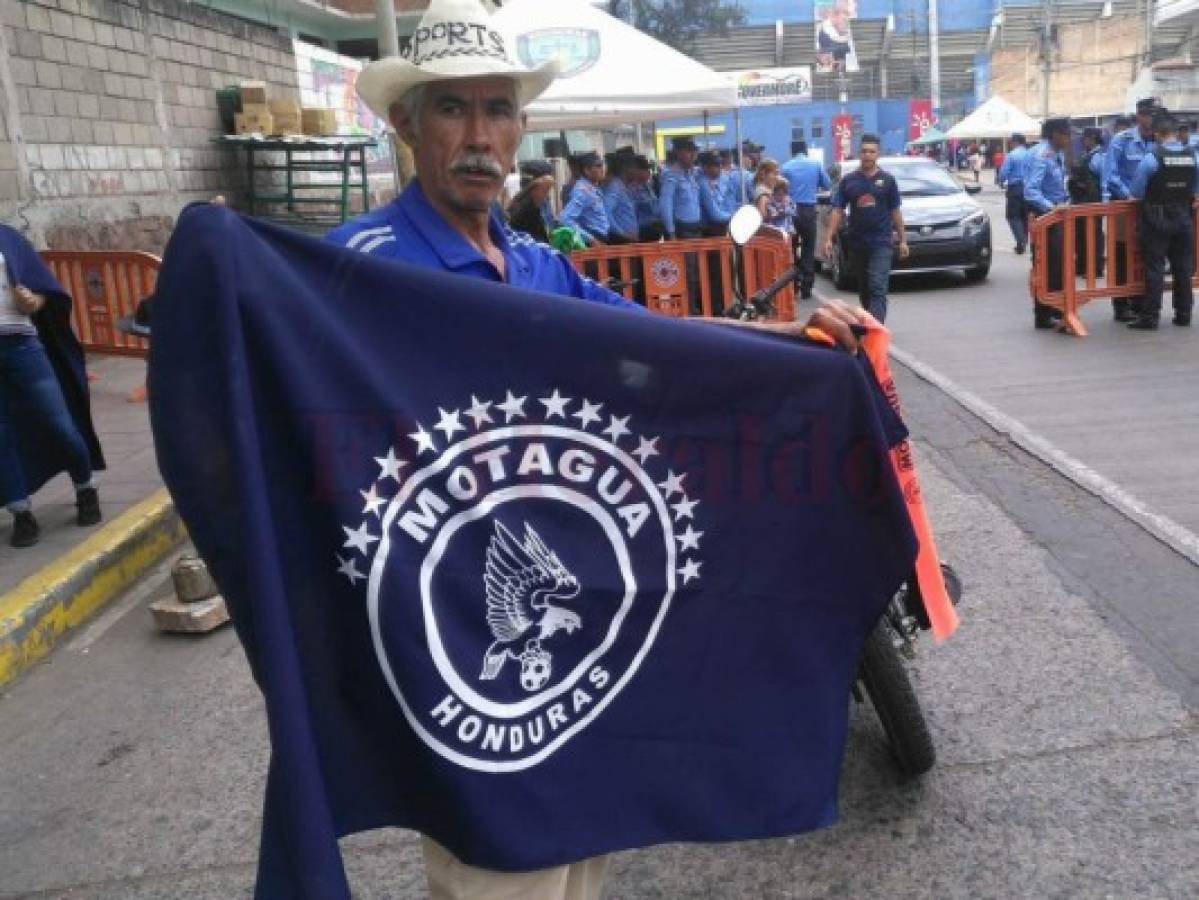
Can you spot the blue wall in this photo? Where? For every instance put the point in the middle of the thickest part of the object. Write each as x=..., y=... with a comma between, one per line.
x=771, y=125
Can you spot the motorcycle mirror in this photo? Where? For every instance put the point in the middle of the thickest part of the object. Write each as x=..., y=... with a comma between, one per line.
x=744, y=225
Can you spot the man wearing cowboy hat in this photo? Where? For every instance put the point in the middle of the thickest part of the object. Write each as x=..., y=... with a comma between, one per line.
x=456, y=99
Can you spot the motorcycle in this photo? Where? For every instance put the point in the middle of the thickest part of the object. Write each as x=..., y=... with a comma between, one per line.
x=882, y=676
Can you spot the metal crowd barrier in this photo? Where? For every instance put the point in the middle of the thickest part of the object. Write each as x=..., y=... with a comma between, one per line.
x=1082, y=273
x=692, y=277
x=105, y=285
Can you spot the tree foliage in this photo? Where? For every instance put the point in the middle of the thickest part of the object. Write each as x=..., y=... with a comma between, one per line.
x=679, y=22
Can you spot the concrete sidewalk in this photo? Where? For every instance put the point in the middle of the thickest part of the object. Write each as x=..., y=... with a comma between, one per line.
x=48, y=589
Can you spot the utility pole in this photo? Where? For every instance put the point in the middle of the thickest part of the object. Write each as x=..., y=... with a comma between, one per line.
x=1046, y=55
x=934, y=57
x=389, y=45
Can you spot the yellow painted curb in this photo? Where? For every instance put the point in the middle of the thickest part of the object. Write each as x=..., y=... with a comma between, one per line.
x=41, y=609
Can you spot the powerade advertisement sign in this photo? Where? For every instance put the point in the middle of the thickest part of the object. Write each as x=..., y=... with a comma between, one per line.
x=769, y=87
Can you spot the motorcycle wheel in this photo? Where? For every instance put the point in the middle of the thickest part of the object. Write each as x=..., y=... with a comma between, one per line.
x=885, y=678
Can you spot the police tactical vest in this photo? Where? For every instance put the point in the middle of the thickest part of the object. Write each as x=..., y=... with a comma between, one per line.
x=1084, y=184
x=1173, y=184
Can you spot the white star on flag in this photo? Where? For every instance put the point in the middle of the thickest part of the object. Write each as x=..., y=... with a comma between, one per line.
x=479, y=411
x=513, y=408
x=672, y=485
x=690, y=570
x=349, y=568
x=589, y=413
x=449, y=423
x=555, y=405
x=618, y=428
x=646, y=448
x=373, y=502
x=424, y=440
x=689, y=539
x=684, y=508
x=390, y=465
x=360, y=539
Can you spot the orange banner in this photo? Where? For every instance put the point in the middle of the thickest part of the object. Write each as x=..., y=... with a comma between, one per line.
x=937, y=603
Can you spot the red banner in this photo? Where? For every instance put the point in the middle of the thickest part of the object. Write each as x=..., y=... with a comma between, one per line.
x=920, y=118
x=842, y=137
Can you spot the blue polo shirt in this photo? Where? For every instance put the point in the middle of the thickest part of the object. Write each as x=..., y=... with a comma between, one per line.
x=871, y=200
x=410, y=229
x=805, y=177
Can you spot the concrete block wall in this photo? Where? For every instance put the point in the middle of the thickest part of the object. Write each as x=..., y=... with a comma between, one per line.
x=108, y=109
x=1094, y=63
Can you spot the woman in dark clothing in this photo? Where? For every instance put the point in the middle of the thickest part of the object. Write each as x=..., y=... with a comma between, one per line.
x=530, y=210
x=45, y=421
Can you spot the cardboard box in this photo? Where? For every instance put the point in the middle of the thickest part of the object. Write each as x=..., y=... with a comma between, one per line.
x=287, y=116
x=249, y=123
x=318, y=120
x=252, y=93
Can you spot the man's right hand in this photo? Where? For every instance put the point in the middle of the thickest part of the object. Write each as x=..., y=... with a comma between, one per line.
x=828, y=248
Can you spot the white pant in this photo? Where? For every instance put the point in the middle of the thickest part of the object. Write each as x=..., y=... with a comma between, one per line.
x=451, y=879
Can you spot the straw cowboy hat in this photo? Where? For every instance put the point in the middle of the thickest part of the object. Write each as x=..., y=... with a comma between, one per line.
x=455, y=39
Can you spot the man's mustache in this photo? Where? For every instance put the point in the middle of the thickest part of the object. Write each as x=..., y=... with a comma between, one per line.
x=477, y=164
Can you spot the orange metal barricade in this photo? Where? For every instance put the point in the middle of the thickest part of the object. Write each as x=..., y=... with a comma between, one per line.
x=1123, y=274
x=104, y=286
x=663, y=270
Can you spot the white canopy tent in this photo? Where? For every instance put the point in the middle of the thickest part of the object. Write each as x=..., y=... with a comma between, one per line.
x=995, y=119
x=613, y=74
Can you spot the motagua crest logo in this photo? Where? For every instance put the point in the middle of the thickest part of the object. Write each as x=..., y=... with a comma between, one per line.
x=519, y=558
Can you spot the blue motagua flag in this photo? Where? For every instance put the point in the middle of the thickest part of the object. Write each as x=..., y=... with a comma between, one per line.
x=537, y=577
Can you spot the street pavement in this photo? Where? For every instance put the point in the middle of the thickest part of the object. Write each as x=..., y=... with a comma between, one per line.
x=134, y=762
x=132, y=474
x=1123, y=403
x=1064, y=711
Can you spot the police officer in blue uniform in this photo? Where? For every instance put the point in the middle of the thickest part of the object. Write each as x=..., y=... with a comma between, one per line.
x=1011, y=179
x=1045, y=188
x=1167, y=184
x=585, y=212
x=1124, y=155
x=805, y=178
x=618, y=200
x=678, y=201
x=639, y=181
x=1087, y=183
x=713, y=198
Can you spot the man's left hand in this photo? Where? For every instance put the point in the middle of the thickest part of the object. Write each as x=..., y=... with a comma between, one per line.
x=26, y=300
x=904, y=250
x=833, y=318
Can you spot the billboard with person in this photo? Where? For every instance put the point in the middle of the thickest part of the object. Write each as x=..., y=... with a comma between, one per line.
x=835, y=51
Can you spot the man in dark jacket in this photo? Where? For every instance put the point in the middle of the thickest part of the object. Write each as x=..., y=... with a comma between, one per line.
x=45, y=420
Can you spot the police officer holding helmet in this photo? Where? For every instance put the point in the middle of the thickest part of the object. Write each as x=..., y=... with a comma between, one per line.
x=1167, y=184
x=1124, y=154
x=1087, y=184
